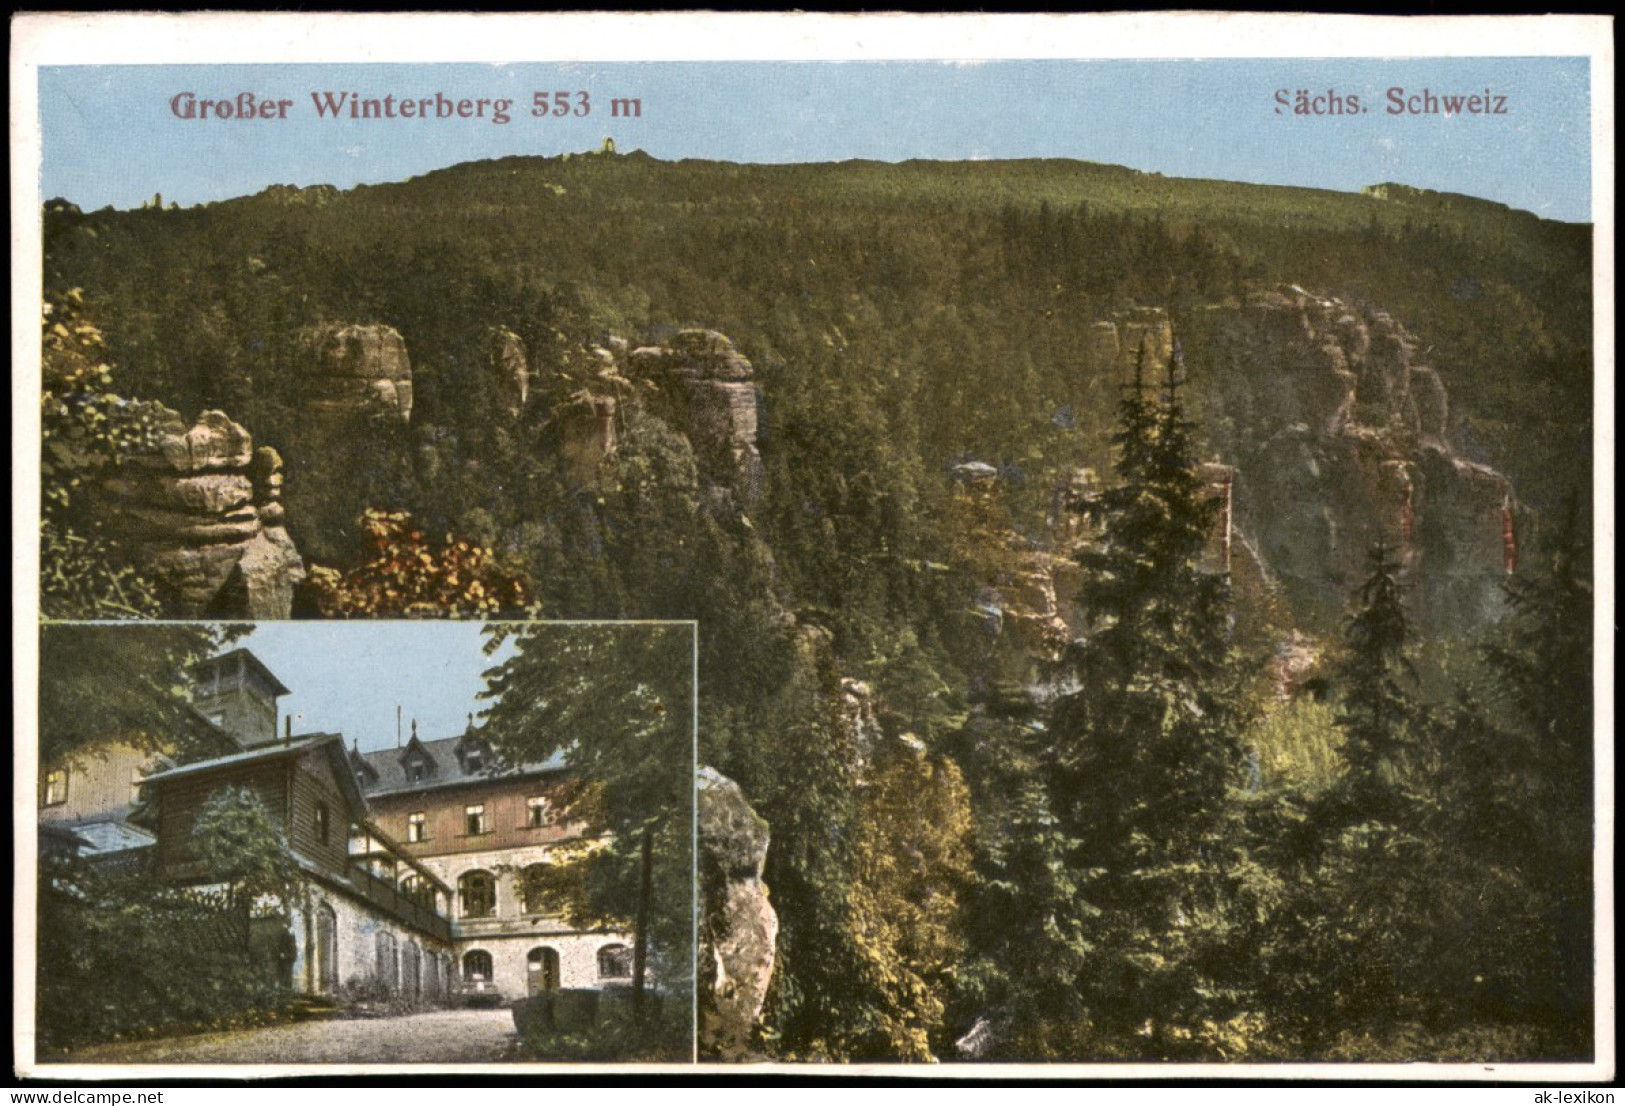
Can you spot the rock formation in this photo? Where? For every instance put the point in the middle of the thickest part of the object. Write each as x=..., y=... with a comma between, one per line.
x=738, y=926
x=705, y=391
x=200, y=512
x=512, y=370
x=358, y=369
x=1340, y=437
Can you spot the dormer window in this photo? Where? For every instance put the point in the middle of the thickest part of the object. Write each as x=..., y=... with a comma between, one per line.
x=475, y=761
x=415, y=771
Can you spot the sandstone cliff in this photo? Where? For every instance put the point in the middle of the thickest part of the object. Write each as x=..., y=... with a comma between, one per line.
x=1340, y=436
x=355, y=369
x=200, y=513
x=738, y=926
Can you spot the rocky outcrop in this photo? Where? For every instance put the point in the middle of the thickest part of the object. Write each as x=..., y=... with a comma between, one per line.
x=1119, y=340
x=511, y=368
x=704, y=390
x=587, y=435
x=1341, y=438
x=359, y=370
x=200, y=512
x=738, y=926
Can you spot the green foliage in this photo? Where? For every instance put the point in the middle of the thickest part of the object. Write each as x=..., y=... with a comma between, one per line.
x=1518, y=776
x=239, y=844
x=1140, y=761
x=1030, y=922
x=910, y=866
x=1379, y=715
x=120, y=956
x=1297, y=744
x=1367, y=896
x=129, y=683
x=617, y=702
x=86, y=432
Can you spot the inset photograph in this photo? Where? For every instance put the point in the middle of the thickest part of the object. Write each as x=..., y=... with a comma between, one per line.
x=365, y=843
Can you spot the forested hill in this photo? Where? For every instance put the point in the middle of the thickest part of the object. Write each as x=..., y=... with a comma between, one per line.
x=843, y=415
x=931, y=276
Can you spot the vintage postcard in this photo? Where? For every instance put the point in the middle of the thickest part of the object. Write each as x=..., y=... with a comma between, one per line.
x=1074, y=545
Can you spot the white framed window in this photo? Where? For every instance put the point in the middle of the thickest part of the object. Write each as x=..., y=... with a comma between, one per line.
x=474, y=819
x=538, y=812
x=417, y=827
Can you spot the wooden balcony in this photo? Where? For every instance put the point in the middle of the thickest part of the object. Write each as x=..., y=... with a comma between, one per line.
x=410, y=911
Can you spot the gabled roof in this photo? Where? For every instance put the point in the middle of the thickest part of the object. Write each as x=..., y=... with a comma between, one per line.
x=331, y=744
x=386, y=769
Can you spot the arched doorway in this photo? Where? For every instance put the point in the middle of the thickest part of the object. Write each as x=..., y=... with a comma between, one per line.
x=542, y=970
x=325, y=951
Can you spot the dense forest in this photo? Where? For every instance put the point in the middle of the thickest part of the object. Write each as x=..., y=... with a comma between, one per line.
x=1131, y=842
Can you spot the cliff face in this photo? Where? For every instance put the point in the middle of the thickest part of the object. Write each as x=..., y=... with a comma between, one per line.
x=704, y=389
x=200, y=513
x=359, y=369
x=738, y=925
x=1340, y=437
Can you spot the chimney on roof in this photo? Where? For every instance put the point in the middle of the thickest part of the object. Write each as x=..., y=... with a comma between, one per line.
x=287, y=730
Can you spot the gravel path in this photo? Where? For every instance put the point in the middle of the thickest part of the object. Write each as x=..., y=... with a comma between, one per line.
x=439, y=1037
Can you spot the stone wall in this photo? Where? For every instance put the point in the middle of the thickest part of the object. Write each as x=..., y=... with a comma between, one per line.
x=357, y=930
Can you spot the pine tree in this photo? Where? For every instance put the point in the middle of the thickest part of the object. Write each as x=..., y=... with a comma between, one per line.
x=616, y=700
x=1377, y=895
x=1141, y=757
x=1379, y=713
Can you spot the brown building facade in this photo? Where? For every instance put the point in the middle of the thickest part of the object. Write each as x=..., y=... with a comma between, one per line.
x=487, y=830
x=369, y=919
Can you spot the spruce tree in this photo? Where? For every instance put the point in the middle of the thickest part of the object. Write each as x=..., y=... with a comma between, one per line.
x=1142, y=755
x=1379, y=712
x=1378, y=895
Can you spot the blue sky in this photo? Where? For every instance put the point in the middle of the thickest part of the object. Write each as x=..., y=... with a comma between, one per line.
x=348, y=677
x=110, y=136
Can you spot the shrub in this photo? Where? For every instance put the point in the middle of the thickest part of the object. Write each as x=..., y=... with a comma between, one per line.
x=583, y=1026
x=120, y=956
